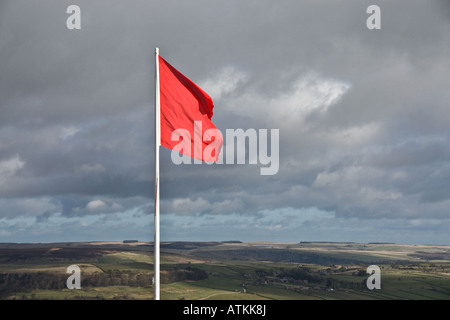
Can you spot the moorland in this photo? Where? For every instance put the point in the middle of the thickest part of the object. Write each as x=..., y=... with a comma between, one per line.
x=226, y=270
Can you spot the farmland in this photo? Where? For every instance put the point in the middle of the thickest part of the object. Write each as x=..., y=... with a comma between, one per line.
x=225, y=271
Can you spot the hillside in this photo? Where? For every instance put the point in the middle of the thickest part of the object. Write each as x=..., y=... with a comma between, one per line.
x=225, y=270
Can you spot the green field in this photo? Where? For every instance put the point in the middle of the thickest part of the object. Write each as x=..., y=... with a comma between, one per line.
x=225, y=271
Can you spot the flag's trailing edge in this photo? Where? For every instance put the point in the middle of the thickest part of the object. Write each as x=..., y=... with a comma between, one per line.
x=185, y=116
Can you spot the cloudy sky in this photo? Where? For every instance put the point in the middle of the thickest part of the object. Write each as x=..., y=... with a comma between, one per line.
x=363, y=118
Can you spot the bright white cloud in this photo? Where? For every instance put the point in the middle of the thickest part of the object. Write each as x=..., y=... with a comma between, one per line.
x=100, y=206
x=223, y=83
x=189, y=206
x=96, y=205
x=310, y=95
x=9, y=167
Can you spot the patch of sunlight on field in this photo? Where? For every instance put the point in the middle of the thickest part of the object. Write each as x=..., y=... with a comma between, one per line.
x=130, y=256
x=126, y=257
x=364, y=252
x=234, y=296
x=178, y=259
x=193, y=291
x=185, y=291
x=125, y=261
x=278, y=293
x=85, y=268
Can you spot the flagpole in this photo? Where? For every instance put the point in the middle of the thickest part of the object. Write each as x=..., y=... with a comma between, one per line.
x=157, y=144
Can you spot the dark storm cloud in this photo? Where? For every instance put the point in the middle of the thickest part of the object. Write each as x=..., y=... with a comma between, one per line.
x=363, y=115
x=74, y=105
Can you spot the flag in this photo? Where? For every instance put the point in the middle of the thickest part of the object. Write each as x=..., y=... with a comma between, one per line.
x=185, y=116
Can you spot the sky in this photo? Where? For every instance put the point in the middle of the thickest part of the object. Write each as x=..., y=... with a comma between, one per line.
x=363, y=119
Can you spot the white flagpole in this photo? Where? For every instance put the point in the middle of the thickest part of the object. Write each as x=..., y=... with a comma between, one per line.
x=157, y=144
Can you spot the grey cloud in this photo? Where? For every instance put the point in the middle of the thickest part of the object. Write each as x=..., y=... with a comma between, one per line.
x=77, y=106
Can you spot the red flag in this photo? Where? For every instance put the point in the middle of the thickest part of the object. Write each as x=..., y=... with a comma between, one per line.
x=186, y=112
